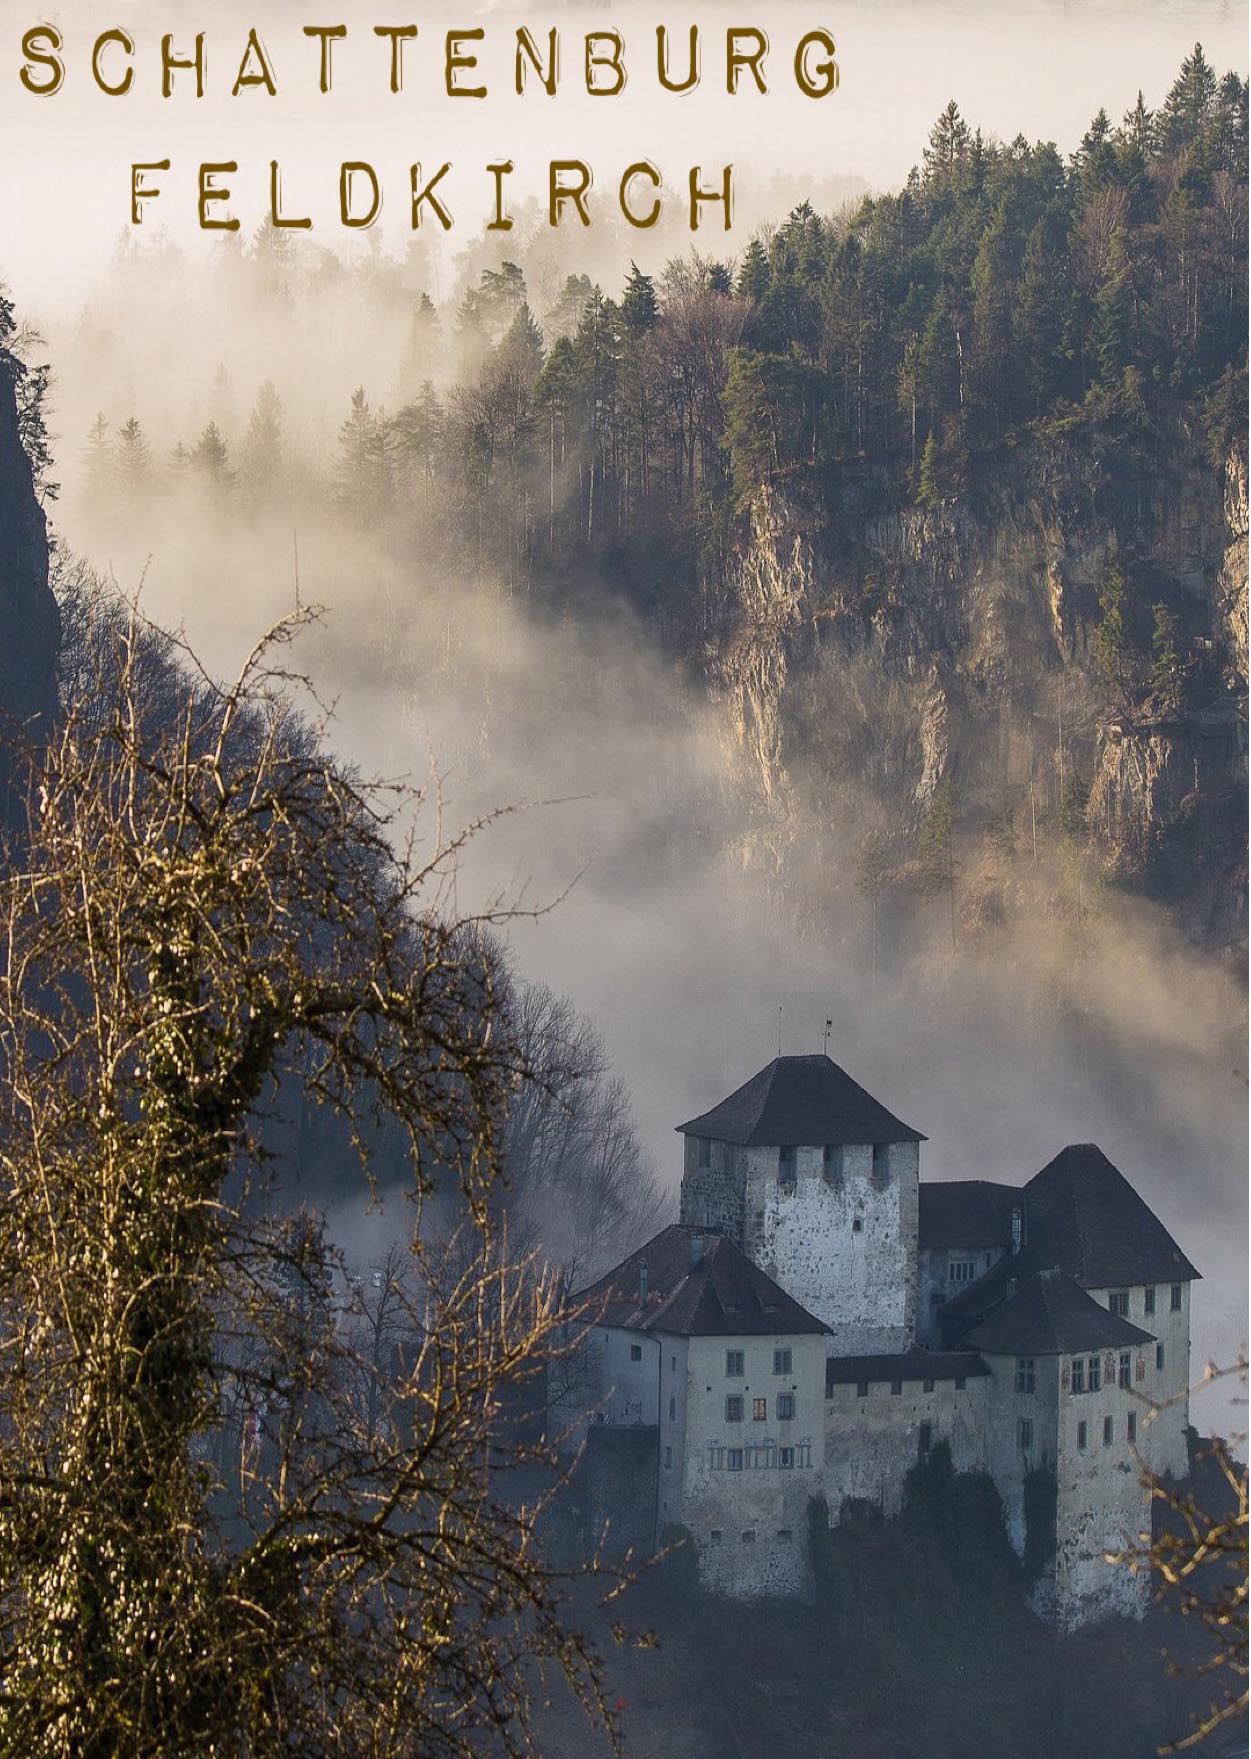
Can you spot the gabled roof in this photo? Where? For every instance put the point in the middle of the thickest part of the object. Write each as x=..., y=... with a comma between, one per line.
x=800, y=1102
x=1050, y=1315
x=910, y=1365
x=1084, y=1215
x=967, y=1212
x=697, y=1285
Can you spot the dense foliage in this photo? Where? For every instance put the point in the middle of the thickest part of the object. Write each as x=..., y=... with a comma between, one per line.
x=1001, y=289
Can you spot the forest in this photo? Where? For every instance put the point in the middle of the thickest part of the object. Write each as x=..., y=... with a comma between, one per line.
x=1002, y=292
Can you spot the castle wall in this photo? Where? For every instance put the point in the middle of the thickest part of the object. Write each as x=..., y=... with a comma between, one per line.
x=872, y=1443
x=1102, y=1506
x=843, y=1244
x=935, y=1286
x=1164, y=1408
x=712, y=1196
x=600, y=1381
x=750, y=1523
x=1008, y=1406
x=671, y=1453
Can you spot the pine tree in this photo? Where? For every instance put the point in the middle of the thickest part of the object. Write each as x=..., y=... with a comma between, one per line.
x=1110, y=646
x=719, y=278
x=1188, y=107
x=640, y=309
x=928, y=492
x=1167, y=676
x=1113, y=315
x=753, y=274
x=263, y=444
x=98, y=462
x=210, y=460
x=948, y=149
x=133, y=463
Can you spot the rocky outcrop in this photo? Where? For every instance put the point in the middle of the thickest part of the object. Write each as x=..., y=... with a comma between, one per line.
x=868, y=649
x=28, y=613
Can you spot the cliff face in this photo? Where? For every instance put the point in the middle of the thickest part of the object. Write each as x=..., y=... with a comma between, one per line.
x=866, y=652
x=28, y=613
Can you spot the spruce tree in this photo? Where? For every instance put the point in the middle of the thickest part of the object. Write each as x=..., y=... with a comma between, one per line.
x=1167, y=676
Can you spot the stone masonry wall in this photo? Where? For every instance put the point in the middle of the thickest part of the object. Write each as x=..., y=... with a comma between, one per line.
x=872, y=1443
x=843, y=1242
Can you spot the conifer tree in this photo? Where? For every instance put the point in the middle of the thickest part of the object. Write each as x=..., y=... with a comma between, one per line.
x=132, y=462
x=1167, y=676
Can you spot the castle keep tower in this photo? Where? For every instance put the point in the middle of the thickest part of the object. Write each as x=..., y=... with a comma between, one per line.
x=816, y=1183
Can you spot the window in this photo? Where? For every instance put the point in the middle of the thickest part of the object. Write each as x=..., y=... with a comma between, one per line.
x=714, y=1538
x=1148, y=1302
x=760, y=1410
x=896, y=1387
x=673, y=1409
x=734, y=1459
x=786, y=1407
x=749, y=1535
x=881, y=1163
x=1131, y=1427
x=1092, y=1375
x=1123, y=1369
x=734, y=1407
x=862, y=1389
x=959, y=1383
x=1107, y=1432
x=786, y=1168
x=668, y=1456
x=636, y=1352
x=1026, y=1434
x=782, y=1362
x=786, y=1458
x=1081, y=1436
x=703, y=1151
x=1077, y=1379
x=831, y=1164
x=1159, y=1358
x=1174, y=1300
x=1118, y=1303
x=857, y=1227
x=734, y=1365
x=925, y=1439
x=961, y=1270
x=1025, y=1374
x=927, y=1386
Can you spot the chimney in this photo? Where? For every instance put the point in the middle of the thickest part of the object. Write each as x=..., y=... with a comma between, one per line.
x=1016, y=1231
x=642, y=1282
x=697, y=1250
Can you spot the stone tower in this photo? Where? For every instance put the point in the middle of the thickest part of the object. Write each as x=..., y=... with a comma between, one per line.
x=817, y=1183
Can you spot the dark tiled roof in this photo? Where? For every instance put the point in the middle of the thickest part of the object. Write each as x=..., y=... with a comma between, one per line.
x=800, y=1102
x=913, y=1365
x=1085, y=1216
x=967, y=1212
x=721, y=1294
x=1048, y=1316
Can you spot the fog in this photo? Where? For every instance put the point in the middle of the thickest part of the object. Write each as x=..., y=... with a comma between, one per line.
x=640, y=823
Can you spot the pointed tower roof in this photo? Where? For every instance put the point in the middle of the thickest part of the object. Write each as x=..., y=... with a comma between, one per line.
x=1085, y=1216
x=799, y=1102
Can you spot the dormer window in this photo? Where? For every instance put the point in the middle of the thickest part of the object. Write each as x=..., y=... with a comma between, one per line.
x=786, y=1168
x=832, y=1164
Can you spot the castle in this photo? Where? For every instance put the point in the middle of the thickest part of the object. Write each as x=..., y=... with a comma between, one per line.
x=819, y=1320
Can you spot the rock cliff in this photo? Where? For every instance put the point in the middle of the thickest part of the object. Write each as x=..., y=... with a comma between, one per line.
x=865, y=650
x=28, y=614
